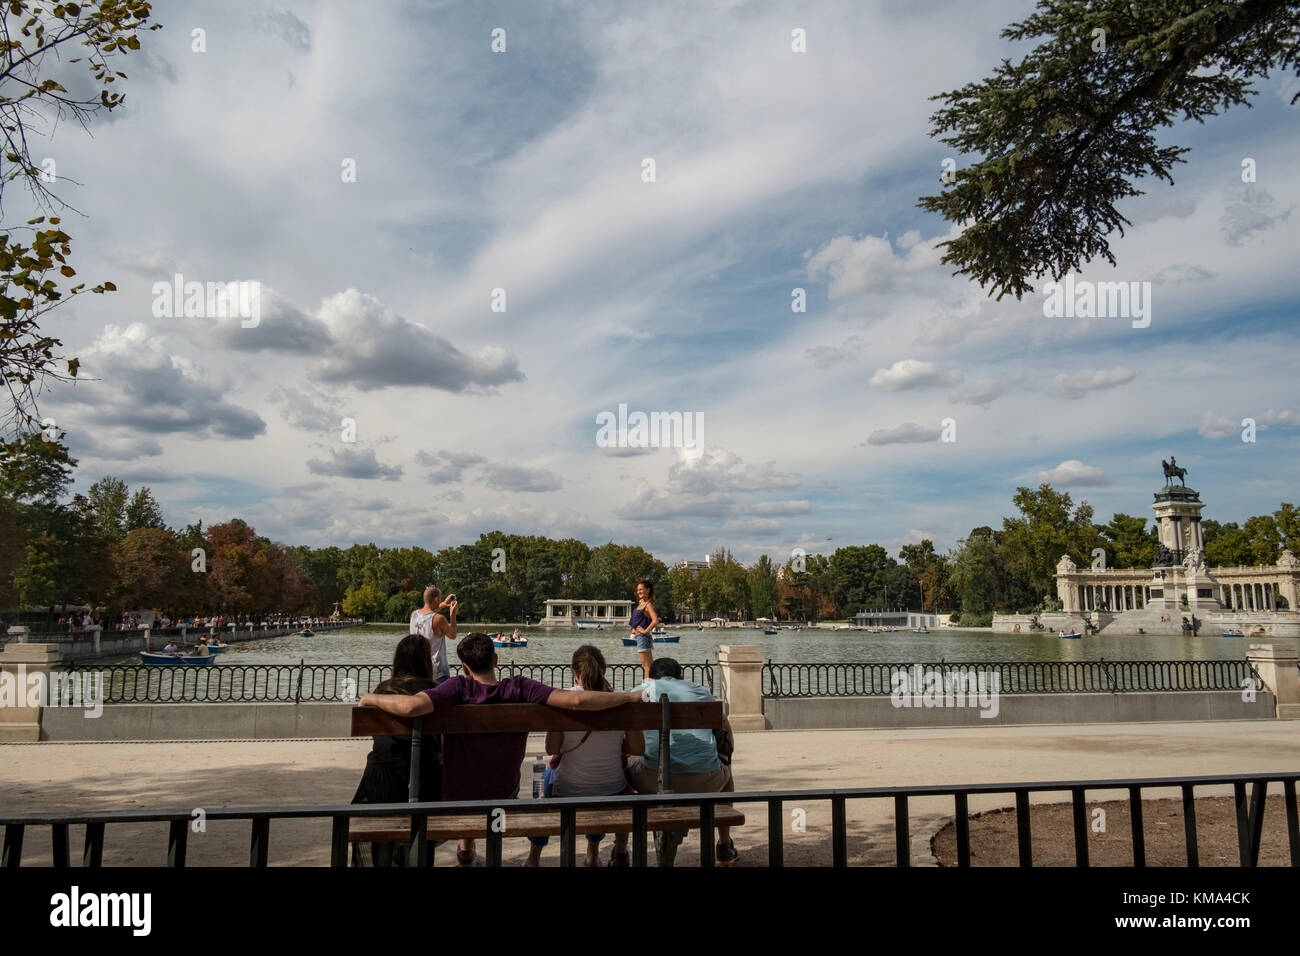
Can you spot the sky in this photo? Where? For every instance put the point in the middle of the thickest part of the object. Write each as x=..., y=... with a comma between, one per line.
x=387, y=178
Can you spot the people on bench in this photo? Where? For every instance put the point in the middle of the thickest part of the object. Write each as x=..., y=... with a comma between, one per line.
x=486, y=766
x=589, y=764
x=386, y=778
x=695, y=761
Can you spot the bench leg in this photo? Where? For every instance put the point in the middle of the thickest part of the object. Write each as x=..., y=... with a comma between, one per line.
x=666, y=844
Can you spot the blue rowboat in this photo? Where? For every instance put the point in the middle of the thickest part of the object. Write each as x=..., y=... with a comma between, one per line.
x=629, y=642
x=217, y=648
x=667, y=640
x=1233, y=634
x=1070, y=637
x=176, y=660
x=523, y=643
x=770, y=630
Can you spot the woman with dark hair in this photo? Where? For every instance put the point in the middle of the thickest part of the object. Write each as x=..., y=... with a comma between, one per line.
x=386, y=778
x=589, y=763
x=643, y=621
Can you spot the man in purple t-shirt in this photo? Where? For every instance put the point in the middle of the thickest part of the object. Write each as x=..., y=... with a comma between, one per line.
x=486, y=766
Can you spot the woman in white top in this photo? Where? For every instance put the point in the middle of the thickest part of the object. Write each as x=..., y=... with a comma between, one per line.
x=590, y=763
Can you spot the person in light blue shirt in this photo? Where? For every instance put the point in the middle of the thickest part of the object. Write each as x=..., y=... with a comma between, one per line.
x=696, y=767
x=692, y=751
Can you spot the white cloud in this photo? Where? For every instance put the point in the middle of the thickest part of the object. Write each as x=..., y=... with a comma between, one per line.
x=1214, y=425
x=1077, y=384
x=520, y=478
x=1074, y=473
x=908, y=433
x=354, y=462
x=984, y=391
x=911, y=373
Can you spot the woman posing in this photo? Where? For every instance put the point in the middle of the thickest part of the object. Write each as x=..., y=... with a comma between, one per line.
x=644, y=620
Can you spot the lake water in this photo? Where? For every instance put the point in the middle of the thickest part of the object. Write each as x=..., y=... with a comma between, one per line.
x=374, y=644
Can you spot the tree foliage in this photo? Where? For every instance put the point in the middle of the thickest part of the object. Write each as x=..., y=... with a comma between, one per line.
x=1061, y=137
x=36, y=39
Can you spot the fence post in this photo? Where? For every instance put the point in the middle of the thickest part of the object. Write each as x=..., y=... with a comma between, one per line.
x=19, y=663
x=1276, y=666
x=297, y=697
x=741, y=667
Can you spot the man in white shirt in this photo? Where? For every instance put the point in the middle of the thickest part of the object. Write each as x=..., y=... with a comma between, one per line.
x=436, y=628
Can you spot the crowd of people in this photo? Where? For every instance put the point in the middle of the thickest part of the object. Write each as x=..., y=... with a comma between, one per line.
x=133, y=621
x=487, y=766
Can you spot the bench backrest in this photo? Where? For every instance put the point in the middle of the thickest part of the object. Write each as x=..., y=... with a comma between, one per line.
x=538, y=718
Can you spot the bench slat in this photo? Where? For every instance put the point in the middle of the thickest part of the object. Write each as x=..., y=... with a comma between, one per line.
x=545, y=823
x=537, y=718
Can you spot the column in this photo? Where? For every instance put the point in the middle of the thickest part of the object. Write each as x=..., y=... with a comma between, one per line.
x=1276, y=665
x=26, y=668
x=741, y=667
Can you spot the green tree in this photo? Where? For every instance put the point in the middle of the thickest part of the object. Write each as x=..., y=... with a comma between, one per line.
x=398, y=608
x=1287, y=520
x=1049, y=525
x=763, y=587
x=1130, y=543
x=1062, y=136
x=142, y=511
x=364, y=601
x=36, y=578
x=858, y=579
x=35, y=471
x=108, y=499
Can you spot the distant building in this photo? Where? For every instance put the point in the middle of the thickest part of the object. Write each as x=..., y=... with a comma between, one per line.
x=695, y=567
x=562, y=613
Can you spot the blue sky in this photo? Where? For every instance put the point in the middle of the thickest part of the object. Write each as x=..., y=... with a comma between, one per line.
x=522, y=170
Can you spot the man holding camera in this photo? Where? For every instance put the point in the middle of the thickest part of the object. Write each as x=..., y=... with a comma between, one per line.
x=436, y=628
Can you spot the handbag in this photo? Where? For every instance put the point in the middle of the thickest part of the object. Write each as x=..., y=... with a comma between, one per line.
x=726, y=744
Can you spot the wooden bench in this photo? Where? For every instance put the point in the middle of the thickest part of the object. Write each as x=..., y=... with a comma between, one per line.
x=538, y=718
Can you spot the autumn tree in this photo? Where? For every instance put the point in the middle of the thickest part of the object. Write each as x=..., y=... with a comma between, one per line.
x=39, y=43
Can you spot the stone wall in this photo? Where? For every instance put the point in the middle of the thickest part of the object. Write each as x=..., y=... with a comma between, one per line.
x=827, y=713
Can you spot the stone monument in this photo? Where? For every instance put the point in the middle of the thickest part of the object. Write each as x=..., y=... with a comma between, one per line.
x=1180, y=570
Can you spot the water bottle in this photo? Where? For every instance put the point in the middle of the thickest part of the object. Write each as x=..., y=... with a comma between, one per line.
x=539, y=771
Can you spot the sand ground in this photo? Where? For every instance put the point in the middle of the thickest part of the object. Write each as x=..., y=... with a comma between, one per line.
x=207, y=774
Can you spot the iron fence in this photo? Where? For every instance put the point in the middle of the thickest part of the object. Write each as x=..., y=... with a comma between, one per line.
x=307, y=683
x=879, y=679
x=1249, y=803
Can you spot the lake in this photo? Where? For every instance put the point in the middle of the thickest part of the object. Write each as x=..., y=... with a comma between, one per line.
x=373, y=644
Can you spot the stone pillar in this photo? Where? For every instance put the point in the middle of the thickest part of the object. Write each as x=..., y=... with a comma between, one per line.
x=24, y=667
x=94, y=631
x=742, y=685
x=1276, y=666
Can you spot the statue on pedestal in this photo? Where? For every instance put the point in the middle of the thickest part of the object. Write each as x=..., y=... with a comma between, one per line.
x=1172, y=471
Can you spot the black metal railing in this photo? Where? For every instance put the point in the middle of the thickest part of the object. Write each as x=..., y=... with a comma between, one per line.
x=879, y=679
x=306, y=683
x=1249, y=792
